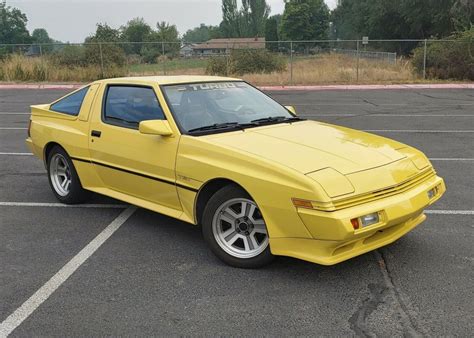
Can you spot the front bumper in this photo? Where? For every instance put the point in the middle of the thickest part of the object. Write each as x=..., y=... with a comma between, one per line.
x=335, y=240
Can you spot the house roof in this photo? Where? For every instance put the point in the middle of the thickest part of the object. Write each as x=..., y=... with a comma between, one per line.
x=257, y=43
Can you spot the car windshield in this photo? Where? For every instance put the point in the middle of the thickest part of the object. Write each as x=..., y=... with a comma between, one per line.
x=222, y=106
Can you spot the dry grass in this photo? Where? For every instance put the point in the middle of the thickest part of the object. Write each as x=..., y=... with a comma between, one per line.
x=19, y=68
x=336, y=69
x=326, y=69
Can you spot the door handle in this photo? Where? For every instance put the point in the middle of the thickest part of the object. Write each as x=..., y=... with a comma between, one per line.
x=96, y=133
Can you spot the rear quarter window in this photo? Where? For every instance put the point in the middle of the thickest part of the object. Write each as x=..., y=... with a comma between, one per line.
x=71, y=104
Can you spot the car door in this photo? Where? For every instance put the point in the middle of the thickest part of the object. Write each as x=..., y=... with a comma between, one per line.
x=135, y=164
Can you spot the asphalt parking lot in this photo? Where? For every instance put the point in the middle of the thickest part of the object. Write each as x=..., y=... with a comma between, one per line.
x=155, y=275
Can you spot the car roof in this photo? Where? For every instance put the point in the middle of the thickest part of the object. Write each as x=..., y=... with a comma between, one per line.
x=167, y=80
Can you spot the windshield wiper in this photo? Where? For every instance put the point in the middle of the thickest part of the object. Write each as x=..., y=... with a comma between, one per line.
x=277, y=119
x=242, y=126
x=216, y=126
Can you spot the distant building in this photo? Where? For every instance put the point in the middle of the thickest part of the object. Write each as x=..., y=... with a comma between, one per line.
x=224, y=46
x=186, y=51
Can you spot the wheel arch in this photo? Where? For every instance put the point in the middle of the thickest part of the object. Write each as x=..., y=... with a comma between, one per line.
x=47, y=149
x=208, y=190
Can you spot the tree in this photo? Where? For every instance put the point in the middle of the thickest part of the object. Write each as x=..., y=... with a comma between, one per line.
x=41, y=36
x=462, y=14
x=167, y=43
x=201, y=33
x=100, y=49
x=13, y=25
x=169, y=34
x=424, y=18
x=272, y=31
x=231, y=22
x=305, y=20
x=136, y=30
x=248, y=21
x=258, y=15
x=404, y=19
x=104, y=33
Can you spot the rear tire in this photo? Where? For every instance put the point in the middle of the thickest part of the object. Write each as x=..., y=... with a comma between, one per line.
x=234, y=229
x=63, y=178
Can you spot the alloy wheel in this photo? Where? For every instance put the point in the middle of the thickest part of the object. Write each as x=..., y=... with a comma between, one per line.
x=60, y=174
x=239, y=228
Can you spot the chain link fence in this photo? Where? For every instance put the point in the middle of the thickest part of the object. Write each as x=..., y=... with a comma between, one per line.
x=262, y=63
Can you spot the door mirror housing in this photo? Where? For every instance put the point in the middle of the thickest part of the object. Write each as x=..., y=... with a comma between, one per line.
x=291, y=109
x=155, y=127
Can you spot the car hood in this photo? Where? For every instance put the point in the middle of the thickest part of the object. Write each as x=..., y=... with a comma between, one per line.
x=310, y=146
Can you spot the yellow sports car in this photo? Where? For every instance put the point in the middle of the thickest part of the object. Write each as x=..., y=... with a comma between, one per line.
x=218, y=152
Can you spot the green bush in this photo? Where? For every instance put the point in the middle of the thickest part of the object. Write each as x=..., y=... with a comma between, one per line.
x=448, y=60
x=89, y=55
x=112, y=55
x=70, y=56
x=150, y=53
x=246, y=61
x=218, y=65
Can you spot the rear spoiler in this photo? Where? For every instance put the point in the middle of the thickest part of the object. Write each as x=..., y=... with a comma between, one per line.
x=43, y=110
x=38, y=109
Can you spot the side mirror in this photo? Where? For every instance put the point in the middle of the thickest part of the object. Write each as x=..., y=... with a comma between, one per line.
x=291, y=109
x=155, y=127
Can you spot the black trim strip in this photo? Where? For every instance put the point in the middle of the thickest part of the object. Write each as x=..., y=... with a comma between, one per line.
x=136, y=173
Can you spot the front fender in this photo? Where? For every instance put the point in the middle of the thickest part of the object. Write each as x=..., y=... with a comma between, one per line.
x=271, y=185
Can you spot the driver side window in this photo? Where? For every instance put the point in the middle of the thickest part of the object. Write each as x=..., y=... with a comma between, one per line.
x=127, y=106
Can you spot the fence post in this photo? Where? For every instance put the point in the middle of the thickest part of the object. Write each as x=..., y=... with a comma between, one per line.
x=101, y=60
x=41, y=50
x=163, y=57
x=291, y=63
x=358, y=59
x=227, y=59
x=424, y=60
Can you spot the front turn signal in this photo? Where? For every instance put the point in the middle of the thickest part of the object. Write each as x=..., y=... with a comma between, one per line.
x=355, y=223
x=299, y=203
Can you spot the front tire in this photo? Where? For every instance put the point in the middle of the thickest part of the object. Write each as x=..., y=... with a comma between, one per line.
x=234, y=229
x=63, y=178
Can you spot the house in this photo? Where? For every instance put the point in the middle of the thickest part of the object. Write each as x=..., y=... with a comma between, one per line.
x=186, y=51
x=215, y=47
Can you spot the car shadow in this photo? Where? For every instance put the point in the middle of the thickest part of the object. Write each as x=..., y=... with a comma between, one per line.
x=193, y=248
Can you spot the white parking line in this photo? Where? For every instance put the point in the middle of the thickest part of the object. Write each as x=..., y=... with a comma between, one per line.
x=43, y=293
x=316, y=104
x=386, y=115
x=451, y=159
x=17, y=154
x=60, y=205
x=123, y=206
x=450, y=212
x=431, y=159
x=417, y=131
x=12, y=128
x=342, y=114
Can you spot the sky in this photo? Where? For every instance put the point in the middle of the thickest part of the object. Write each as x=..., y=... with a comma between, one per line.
x=73, y=20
